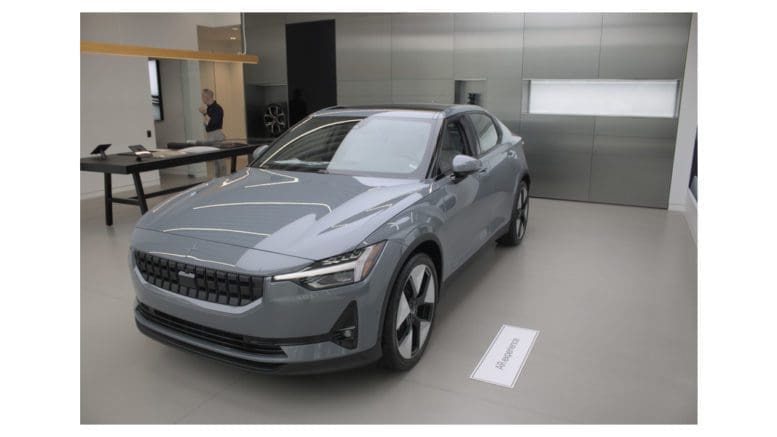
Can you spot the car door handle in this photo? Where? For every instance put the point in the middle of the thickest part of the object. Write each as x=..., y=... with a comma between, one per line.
x=483, y=170
x=512, y=154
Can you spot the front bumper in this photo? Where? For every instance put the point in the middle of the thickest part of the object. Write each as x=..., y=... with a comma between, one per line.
x=301, y=328
x=255, y=363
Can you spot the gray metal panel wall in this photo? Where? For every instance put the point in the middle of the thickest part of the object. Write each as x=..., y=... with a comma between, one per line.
x=422, y=90
x=487, y=45
x=490, y=47
x=363, y=50
x=417, y=57
x=629, y=160
x=632, y=170
x=644, y=46
x=363, y=47
x=562, y=46
x=632, y=160
x=558, y=149
x=422, y=46
x=633, y=157
x=266, y=37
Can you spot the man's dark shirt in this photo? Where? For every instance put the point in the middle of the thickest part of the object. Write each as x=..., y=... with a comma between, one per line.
x=216, y=114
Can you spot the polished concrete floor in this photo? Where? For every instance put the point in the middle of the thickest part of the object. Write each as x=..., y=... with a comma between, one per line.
x=611, y=289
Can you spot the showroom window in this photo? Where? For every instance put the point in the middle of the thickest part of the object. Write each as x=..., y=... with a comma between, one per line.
x=615, y=98
x=156, y=91
x=488, y=137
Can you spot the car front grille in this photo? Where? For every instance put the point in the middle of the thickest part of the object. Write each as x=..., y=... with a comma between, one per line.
x=234, y=341
x=218, y=286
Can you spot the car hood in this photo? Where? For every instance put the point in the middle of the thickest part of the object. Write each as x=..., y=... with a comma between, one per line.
x=307, y=215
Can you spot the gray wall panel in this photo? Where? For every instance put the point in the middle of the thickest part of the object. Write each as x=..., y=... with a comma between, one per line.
x=532, y=124
x=424, y=90
x=644, y=46
x=363, y=47
x=487, y=45
x=422, y=46
x=558, y=150
x=363, y=92
x=513, y=125
x=636, y=127
x=503, y=98
x=632, y=170
x=562, y=46
x=560, y=165
x=267, y=40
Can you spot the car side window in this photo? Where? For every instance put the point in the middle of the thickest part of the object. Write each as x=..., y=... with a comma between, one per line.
x=488, y=135
x=454, y=143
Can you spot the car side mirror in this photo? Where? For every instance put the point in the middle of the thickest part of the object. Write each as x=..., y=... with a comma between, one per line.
x=464, y=165
x=259, y=151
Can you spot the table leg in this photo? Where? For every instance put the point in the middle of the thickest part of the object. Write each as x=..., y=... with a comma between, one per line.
x=140, y=193
x=108, y=199
x=234, y=164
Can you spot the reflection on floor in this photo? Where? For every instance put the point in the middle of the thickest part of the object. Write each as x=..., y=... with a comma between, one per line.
x=611, y=289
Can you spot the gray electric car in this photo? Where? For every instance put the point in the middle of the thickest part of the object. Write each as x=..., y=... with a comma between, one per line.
x=331, y=248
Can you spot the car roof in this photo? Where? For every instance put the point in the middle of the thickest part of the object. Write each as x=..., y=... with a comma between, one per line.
x=366, y=110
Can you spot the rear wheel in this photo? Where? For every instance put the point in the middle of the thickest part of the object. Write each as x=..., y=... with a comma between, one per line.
x=520, y=219
x=408, y=322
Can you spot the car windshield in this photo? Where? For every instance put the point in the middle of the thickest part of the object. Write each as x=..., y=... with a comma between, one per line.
x=392, y=144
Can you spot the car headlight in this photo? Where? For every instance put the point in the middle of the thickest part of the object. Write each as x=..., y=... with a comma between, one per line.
x=343, y=269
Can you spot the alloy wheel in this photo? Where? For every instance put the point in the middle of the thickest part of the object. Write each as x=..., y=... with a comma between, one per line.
x=523, y=212
x=275, y=119
x=415, y=311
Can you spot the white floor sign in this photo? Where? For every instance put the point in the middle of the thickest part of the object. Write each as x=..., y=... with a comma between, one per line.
x=504, y=359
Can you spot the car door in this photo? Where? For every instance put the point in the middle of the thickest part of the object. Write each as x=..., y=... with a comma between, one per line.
x=498, y=177
x=459, y=196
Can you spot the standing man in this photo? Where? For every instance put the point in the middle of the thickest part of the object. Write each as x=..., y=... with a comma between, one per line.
x=213, y=119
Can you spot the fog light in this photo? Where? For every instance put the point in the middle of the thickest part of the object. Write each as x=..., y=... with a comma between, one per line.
x=344, y=331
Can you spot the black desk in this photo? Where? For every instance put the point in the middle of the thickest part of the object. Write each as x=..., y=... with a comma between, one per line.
x=128, y=164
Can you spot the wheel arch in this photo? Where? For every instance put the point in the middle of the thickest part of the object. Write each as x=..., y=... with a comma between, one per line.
x=431, y=247
x=426, y=243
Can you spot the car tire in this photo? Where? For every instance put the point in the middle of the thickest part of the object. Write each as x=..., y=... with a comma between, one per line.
x=520, y=218
x=407, y=326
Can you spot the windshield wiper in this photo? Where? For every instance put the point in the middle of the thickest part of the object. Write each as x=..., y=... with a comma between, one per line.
x=296, y=167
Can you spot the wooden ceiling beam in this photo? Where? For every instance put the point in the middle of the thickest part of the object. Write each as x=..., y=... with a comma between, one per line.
x=158, y=53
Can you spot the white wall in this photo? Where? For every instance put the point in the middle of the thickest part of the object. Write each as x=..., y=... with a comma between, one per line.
x=163, y=30
x=192, y=99
x=686, y=128
x=116, y=109
x=115, y=94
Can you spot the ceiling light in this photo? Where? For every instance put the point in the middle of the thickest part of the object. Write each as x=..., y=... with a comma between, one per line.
x=235, y=29
x=233, y=37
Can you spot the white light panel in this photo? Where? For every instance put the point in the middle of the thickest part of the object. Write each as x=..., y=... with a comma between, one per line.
x=626, y=98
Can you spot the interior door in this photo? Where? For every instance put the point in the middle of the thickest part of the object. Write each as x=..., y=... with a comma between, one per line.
x=310, y=67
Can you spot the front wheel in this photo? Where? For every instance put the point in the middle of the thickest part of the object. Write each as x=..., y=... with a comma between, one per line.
x=519, y=220
x=410, y=313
